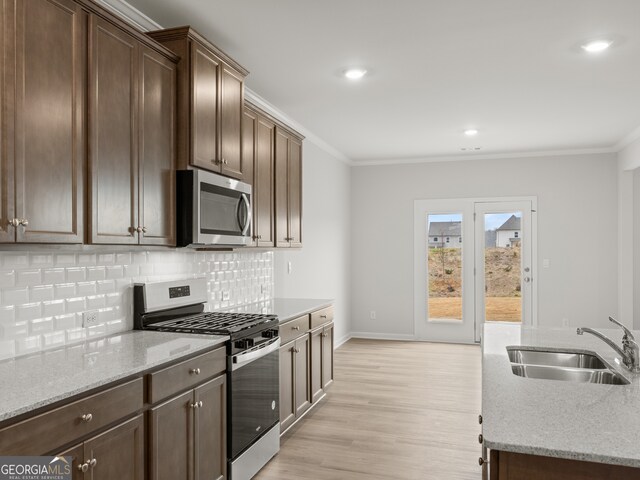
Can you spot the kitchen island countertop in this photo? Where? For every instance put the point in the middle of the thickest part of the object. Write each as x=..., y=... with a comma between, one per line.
x=578, y=421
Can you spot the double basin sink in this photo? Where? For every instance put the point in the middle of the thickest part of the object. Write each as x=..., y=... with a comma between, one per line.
x=570, y=366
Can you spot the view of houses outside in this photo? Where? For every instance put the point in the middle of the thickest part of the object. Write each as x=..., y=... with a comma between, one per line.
x=502, y=267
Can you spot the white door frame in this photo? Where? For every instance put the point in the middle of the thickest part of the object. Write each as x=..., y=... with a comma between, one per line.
x=420, y=254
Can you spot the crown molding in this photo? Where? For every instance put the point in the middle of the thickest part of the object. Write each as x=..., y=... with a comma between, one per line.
x=487, y=156
x=628, y=139
x=274, y=111
x=133, y=15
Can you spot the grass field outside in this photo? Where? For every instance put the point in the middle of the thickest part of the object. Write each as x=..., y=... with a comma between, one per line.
x=498, y=309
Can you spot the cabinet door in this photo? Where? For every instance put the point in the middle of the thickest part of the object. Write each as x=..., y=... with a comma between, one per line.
x=249, y=124
x=77, y=458
x=48, y=120
x=302, y=376
x=316, y=364
x=263, y=183
x=210, y=430
x=156, y=146
x=117, y=453
x=170, y=439
x=204, y=108
x=231, y=112
x=287, y=393
x=327, y=356
x=295, y=192
x=7, y=205
x=113, y=166
x=281, y=188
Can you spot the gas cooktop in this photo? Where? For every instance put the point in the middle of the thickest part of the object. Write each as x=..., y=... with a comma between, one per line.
x=216, y=323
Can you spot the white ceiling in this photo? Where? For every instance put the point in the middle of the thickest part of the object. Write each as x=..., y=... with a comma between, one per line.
x=513, y=69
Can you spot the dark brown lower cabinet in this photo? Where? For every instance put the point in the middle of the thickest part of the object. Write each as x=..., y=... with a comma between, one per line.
x=518, y=466
x=321, y=361
x=295, y=380
x=116, y=453
x=187, y=434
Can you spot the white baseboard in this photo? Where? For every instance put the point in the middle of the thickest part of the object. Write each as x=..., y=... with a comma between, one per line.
x=383, y=336
x=342, y=341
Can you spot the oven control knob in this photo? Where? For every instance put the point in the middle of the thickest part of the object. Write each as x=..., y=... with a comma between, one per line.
x=270, y=333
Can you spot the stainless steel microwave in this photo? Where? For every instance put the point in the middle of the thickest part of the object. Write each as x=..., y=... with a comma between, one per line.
x=212, y=210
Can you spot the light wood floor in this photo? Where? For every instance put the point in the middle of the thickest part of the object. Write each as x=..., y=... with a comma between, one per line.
x=397, y=410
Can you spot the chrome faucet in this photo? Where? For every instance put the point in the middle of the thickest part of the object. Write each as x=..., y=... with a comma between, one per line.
x=630, y=351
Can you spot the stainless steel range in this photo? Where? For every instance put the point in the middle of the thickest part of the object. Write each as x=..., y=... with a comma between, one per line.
x=253, y=420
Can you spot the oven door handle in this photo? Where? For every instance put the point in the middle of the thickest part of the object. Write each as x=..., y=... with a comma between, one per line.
x=242, y=359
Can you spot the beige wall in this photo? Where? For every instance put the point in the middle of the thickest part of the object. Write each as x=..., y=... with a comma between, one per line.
x=577, y=201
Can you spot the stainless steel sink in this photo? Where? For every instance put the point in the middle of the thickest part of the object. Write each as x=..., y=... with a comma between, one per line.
x=556, y=359
x=582, y=375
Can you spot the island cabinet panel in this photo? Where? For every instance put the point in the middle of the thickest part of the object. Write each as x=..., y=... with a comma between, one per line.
x=210, y=103
x=288, y=189
x=113, y=147
x=131, y=140
x=327, y=356
x=302, y=375
x=518, y=466
x=157, y=149
x=321, y=360
x=287, y=383
x=42, y=175
x=210, y=429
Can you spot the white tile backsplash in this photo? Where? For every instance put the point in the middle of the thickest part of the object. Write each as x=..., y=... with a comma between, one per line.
x=43, y=294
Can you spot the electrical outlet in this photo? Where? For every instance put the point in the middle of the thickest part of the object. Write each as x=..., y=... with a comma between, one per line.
x=89, y=318
x=372, y=315
x=225, y=295
x=565, y=322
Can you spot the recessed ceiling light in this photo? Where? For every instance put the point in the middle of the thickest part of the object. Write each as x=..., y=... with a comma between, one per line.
x=471, y=132
x=355, y=73
x=596, y=46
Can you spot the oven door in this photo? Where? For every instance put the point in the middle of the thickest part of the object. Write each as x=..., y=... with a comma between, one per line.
x=223, y=213
x=254, y=394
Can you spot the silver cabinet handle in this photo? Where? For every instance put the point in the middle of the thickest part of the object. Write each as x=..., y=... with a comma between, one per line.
x=481, y=461
x=200, y=404
x=527, y=279
x=194, y=371
x=144, y=229
x=14, y=222
x=139, y=229
x=297, y=327
x=24, y=222
x=323, y=316
x=194, y=405
x=93, y=462
x=480, y=419
x=480, y=438
x=87, y=417
x=325, y=334
x=83, y=467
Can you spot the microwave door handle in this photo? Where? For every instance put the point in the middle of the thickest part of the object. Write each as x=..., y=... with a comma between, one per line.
x=247, y=207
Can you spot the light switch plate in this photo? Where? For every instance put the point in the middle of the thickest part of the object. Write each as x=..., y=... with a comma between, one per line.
x=225, y=295
x=89, y=318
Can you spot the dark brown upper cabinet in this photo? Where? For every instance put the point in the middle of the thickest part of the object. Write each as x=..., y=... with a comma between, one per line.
x=43, y=152
x=210, y=103
x=288, y=188
x=258, y=152
x=131, y=140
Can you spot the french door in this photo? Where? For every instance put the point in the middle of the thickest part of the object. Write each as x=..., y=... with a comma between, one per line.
x=473, y=262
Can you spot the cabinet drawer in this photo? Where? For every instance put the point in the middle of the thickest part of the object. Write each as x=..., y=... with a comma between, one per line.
x=185, y=375
x=50, y=430
x=321, y=317
x=294, y=328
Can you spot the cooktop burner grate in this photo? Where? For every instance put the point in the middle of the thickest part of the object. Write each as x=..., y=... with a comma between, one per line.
x=213, y=322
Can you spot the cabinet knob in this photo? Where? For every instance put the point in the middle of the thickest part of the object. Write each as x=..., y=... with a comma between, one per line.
x=480, y=438
x=14, y=222
x=87, y=417
x=194, y=371
x=83, y=467
x=24, y=222
x=144, y=229
x=481, y=461
x=325, y=334
x=323, y=316
x=93, y=462
x=297, y=350
x=480, y=419
x=194, y=405
x=297, y=327
x=200, y=404
x=139, y=229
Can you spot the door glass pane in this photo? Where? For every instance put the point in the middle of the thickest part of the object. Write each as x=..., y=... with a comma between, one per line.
x=502, y=267
x=444, y=269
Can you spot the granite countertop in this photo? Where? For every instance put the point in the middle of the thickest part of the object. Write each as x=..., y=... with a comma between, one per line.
x=285, y=308
x=579, y=421
x=41, y=379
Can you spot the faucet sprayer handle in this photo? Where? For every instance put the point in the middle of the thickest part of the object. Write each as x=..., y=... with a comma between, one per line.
x=627, y=332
